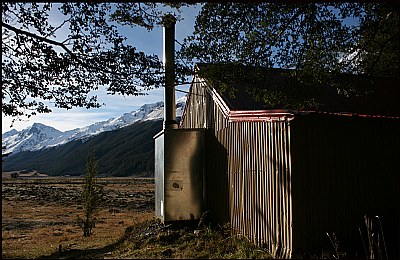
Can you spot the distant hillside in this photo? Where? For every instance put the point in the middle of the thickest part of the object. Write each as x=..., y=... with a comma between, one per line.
x=127, y=151
x=40, y=136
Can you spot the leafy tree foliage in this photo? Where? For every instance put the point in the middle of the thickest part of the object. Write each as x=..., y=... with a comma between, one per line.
x=318, y=41
x=379, y=43
x=63, y=61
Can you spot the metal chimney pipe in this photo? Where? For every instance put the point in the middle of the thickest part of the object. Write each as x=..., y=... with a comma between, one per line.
x=168, y=22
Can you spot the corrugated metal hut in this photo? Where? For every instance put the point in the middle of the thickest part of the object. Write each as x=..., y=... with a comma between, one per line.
x=284, y=178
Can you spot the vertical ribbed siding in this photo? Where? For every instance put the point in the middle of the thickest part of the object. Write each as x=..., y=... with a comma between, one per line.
x=247, y=173
x=202, y=112
x=344, y=168
x=284, y=185
x=259, y=170
x=195, y=114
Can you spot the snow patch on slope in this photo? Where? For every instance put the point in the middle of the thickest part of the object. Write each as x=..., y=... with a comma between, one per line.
x=39, y=136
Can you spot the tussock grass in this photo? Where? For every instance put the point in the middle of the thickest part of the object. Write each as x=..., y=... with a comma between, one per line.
x=37, y=227
x=186, y=240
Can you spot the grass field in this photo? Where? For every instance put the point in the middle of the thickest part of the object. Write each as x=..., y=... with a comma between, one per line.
x=38, y=215
x=39, y=221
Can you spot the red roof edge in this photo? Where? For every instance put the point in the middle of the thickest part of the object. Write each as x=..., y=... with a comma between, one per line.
x=261, y=115
x=273, y=115
x=349, y=114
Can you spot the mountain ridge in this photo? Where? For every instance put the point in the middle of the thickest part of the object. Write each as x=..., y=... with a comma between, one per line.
x=40, y=136
x=127, y=151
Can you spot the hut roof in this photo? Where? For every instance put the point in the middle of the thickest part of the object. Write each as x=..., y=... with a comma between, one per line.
x=239, y=93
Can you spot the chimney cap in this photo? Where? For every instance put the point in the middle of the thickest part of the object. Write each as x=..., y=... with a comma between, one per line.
x=168, y=20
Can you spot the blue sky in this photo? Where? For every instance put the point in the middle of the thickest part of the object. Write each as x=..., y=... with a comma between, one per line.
x=116, y=105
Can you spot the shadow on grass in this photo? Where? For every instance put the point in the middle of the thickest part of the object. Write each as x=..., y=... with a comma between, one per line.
x=88, y=253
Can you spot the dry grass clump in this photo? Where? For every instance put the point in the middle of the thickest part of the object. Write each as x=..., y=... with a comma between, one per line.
x=186, y=240
x=41, y=230
x=39, y=220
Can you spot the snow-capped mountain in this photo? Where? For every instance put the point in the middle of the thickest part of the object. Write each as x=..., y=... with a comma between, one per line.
x=30, y=138
x=39, y=136
x=9, y=133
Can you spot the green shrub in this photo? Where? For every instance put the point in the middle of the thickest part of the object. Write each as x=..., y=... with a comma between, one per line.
x=91, y=196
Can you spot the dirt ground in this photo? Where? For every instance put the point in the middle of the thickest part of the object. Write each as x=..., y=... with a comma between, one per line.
x=39, y=214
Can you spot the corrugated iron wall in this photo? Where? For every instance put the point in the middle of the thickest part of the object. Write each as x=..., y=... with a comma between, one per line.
x=260, y=180
x=285, y=184
x=247, y=172
x=343, y=168
x=194, y=114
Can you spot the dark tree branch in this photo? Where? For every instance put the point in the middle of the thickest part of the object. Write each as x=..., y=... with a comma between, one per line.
x=382, y=48
x=38, y=37
x=73, y=55
x=58, y=27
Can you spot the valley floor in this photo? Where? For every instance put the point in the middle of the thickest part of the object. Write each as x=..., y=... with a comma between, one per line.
x=39, y=214
x=39, y=221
